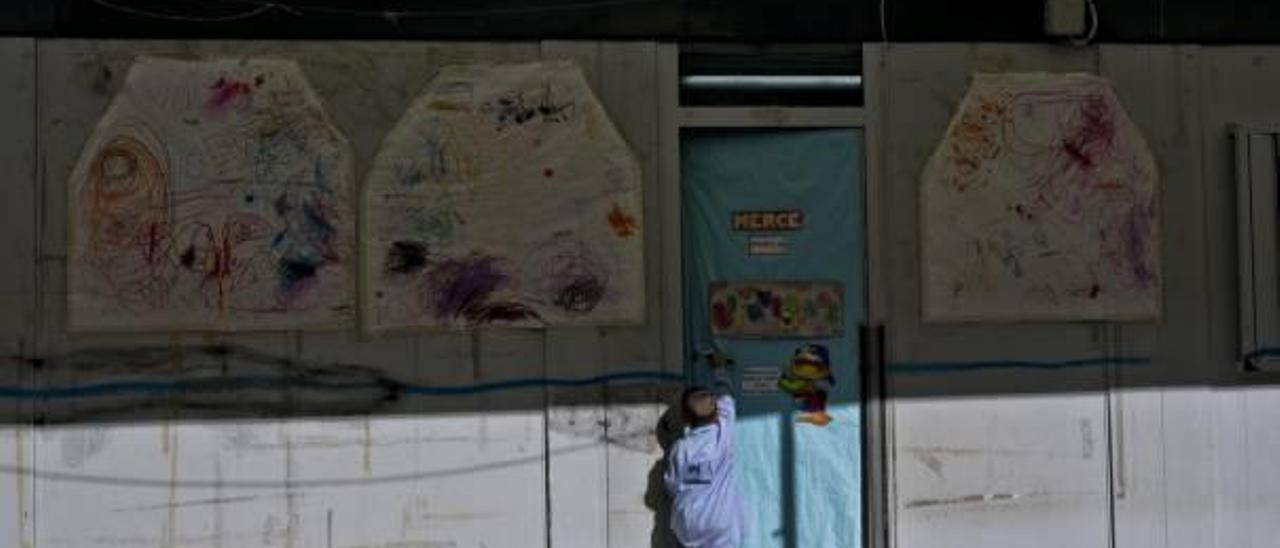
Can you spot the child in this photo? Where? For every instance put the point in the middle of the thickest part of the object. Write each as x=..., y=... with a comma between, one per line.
x=707, y=510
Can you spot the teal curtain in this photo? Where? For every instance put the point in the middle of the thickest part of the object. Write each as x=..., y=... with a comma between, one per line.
x=801, y=482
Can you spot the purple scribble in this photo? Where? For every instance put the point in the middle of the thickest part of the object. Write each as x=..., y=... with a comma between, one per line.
x=459, y=284
x=1137, y=230
x=462, y=288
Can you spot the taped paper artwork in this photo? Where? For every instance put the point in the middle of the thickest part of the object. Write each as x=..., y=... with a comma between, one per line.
x=504, y=197
x=1040, y=203
x=212, y=195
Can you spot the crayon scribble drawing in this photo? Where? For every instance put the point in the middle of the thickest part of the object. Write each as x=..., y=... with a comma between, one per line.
x=1041, y=203
x=776, y=309
x=212, y=196
x=504, y=196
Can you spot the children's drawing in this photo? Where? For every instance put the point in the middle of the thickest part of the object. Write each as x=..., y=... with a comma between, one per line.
x=808, y=379
x=1040, y=203
x=504, y=196
x=776, y=309
x=212, y=195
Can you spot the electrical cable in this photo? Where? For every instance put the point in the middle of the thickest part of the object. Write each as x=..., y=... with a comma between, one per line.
x=139, y=12
x=1093, y=26
x=884, y=21
x=390, y=15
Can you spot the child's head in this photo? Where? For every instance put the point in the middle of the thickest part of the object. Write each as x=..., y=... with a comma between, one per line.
x=698, y=406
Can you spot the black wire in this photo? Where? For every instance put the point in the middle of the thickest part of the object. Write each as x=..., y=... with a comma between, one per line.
x=113, y=5
x=257, y=8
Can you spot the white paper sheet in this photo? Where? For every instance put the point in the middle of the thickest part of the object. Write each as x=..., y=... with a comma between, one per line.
x=504, y=196
x=213, y=195
x=1041, y=203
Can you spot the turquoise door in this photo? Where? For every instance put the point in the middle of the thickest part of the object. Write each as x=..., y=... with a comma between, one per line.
x=774, y=280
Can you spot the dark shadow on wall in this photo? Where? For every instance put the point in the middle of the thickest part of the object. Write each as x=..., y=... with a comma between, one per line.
x=668, y=430
x=220, y=382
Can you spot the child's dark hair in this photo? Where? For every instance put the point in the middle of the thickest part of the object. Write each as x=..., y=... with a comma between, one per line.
x=698, y=406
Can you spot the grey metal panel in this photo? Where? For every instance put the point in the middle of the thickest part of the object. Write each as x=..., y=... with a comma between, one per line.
x=965, y=467
x=576, y=421
x=1238, y=85
x=672, y=313
x=1158, y=93
x=17, y=284
x=630, y=91
x=17, y=214
x=924, y=85
x=878, y=424
x=1159, y=88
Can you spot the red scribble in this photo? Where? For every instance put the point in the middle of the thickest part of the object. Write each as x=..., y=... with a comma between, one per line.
x=623, y=224
x=128, y=220
x=222, y=254
x=1087, y=174
x=1092, y=133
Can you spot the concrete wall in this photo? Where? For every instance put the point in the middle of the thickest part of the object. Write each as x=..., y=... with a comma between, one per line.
x=1171, y=454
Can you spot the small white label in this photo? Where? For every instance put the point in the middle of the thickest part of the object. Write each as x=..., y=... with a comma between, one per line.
x=766, y=245
x=760, y=380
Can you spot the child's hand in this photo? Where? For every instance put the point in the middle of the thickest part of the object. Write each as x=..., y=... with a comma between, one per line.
x=717, y=360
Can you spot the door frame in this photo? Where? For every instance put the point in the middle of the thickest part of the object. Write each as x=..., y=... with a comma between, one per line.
x=877, y=515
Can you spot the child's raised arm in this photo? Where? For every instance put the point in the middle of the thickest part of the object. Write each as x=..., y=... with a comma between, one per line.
x=722, y=384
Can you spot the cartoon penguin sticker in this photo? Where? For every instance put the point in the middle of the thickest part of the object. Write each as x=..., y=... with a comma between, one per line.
x=808, y=379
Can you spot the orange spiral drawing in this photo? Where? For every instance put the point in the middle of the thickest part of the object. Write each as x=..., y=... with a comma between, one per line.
x=125, y=204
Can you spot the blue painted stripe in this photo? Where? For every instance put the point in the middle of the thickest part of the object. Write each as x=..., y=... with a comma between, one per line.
x=537, y=382
x=1266, y=352
x=932, y=368
x=232, y=384
x=190, y=386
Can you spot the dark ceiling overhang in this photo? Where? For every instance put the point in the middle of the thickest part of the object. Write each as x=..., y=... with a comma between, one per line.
x=1217, y=21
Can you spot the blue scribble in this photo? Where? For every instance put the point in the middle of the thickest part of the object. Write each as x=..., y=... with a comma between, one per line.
x=305, y=244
